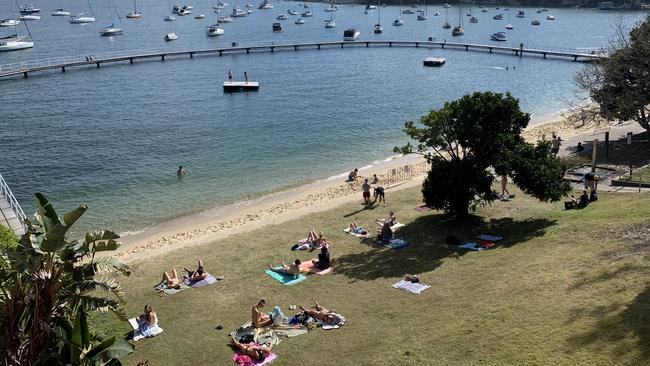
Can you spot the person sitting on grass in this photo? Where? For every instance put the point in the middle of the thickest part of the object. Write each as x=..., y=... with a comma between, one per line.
x=323, y=261
x=584, y=199
x=386, y=233
x=356, y=229
x=258, y=317
x=292, y=270
x=391, y=220
x=254, y=351
x=412, y=278
x=198, y=275
x=148, y=322
x=326, y=316
x=171, y=281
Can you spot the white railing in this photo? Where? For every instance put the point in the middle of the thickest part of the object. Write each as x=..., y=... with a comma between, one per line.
x=13, y=203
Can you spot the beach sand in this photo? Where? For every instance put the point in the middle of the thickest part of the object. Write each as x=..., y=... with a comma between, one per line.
x=319, y=196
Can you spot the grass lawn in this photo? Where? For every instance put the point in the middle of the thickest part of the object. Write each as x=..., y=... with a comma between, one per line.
x=641, y=175
x=563, y=288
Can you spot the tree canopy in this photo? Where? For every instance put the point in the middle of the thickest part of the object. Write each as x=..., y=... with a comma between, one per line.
x=467, y=137
x=620, y=84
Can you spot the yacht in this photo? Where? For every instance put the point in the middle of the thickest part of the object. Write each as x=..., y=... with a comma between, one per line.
x=446, y=6
x=226, y=19
x=9, y=22
x=407, y=11
x=238, y=13
x=30, y=17
x=535, y=22
x=550, y=17
x=378, y=29
x=265, y=5
x=214, y=30
x=446, y=25
x=14, y=43
x=171, y=37
x=60, y=13
x=307, y=14
x=331, y=8
x=299, y=21
x=219, y=6
x=330, y=23
x=509, y=26
x=29, y=10
x=520, y=14
x=422, y=16
x=81, y=19
x=183, y=12
x=397, y=22
x=499, y=36
x=457, y=31
x=277, y=27
x=134, y=15
x=436, y=14
x=473, y=20
x=282, y=17
x=200, y=16
x=498, y=17
x=351, y=34
x=111, y=30
x=169, y=18
x=292, y=12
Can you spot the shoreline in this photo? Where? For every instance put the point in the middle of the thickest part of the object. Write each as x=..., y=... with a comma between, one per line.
x=287, y=204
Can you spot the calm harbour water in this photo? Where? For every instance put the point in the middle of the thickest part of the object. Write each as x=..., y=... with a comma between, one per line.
x=113, y=137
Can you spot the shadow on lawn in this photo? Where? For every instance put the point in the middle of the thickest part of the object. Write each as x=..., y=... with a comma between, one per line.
x=614, y=326
x=428, y=248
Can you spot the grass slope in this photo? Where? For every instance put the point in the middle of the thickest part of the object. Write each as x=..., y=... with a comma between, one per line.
x=563, y=288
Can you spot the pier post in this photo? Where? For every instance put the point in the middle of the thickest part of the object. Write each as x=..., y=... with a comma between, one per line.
x=295, y=47
x=191, y=54
x=318, y=46
x=390, y=44
x=367, y=44
x=131, y=60
x=544, y=54
x=575, y=58
x=25, y=74
x=272, y=48
x=466, y=48
x=417, y=44
x=62, y=68
x=490, y=49
x=220, y=53
x=98, y=65
x=341, y=45
x=442, y=45
x=248, y=50
x=162, y=57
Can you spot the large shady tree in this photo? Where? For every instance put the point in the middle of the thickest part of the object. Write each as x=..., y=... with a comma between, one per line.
x=48, y=286
x=467, y=137
x=620, y=84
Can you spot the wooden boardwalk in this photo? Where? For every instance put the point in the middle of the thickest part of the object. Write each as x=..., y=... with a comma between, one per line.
x=65, y=63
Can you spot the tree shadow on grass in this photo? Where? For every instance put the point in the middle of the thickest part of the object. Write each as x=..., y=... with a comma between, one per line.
x=633, y=322
x=427, y=248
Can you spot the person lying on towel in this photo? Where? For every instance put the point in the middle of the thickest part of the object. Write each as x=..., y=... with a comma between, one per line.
x=171, y=281
x=292, y=270
x=258, y=317
x=356, y=229
x=256, y=352
x=328, y=317
x=316, y=241
x=198, y=275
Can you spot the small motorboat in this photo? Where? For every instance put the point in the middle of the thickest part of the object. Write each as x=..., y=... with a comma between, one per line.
x=436, y=14
x=81, y=19
x=351, y=34
x=30, y=17
x=292, y=12
x=171, y=37
x=299, y=21
x=265, y=5
x=457, y=31
x=509, y=26
x=550, y=17
x=397, y=22
x=408, y=11
x=60, y=13
x=422, y=16
x=9, y=22
x=484, y=10
x=29, y=10
x=214, y=30
x=520, y=14
x=331, y=8
x=499, y=36
x=539, y=11
x=473, y=20
x=446, y=6
x=446, y=25
x=219, y=6
x=330, y=23
x=169, y=18
x=378, y=29
x=226, y=19
x=282, y=17
x=498, y=17
x=249, y=6
x=111, y=30
x=468, y=13
x=535, y=22
x=238, y=13
x=134, y=15
x=277, y=27
x=199, y=16
x=307, y=14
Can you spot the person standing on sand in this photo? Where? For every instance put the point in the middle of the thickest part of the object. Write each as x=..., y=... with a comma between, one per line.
x=181, y=172
x=555, y=145
x=366, y=192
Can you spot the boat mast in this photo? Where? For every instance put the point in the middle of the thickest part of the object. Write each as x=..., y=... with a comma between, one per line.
x=378, y=14
x=460, y=11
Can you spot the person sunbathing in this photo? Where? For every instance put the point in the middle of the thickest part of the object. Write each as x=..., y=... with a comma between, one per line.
x=328, y=317
x=316, y=240
x=356, y=229
x=198, y=275
x=259, y=318
x=292, y=270
x=254, y=351
x=171, y=281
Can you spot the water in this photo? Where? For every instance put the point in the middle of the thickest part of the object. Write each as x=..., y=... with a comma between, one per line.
x=113, y=137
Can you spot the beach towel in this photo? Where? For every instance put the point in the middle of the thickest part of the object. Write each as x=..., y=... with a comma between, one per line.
x=397, y=226
x=423, y=208
x=488, y=237
x=244, y=360
x=138, y=334
x=270, y=336
x=204, y=282
x=472, y=246
x=409, y=286
x=162, y=288
x=339, y=324
x=285, y=279
x=358, y=235
x=397, y=244
x=318, y=271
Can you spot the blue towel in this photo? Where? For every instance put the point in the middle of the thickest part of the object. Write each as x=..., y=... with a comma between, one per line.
x=397, y=244
x=472, y=246
x=285, y=279
x=489, y=237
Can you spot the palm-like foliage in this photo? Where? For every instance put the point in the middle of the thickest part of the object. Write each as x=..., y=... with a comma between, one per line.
x=48, y=286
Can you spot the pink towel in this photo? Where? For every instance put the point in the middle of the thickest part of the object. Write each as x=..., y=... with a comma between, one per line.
x=318, y=271
x=245, y=360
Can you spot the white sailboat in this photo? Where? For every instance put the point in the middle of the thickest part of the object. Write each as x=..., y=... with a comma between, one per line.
x=214, y=30
x=331, y=23
x=378, y=29
x=446, y=24
x=14, y=42
x=112, y=30
x=459, y=31
x=82, y=18
x=398, y=21
x=135, y=14
x=171, y=36
x=509, y=25
x=423, y=15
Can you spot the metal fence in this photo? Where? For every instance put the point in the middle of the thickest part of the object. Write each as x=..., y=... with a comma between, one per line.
x=13, y=203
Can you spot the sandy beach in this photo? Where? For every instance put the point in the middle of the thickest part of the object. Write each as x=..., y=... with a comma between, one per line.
x=318, y=196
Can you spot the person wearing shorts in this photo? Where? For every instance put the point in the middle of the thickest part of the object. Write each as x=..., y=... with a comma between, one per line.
x=366, y=192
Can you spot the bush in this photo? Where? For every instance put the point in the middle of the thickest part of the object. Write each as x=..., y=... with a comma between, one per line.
x=8, y=240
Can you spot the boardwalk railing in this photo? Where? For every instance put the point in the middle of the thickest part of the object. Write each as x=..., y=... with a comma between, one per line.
x=15, y=208
x=99, y=59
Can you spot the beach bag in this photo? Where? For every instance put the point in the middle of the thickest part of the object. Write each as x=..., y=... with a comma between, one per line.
x=593, y=197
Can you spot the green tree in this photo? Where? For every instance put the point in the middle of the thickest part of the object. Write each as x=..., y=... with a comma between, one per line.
x=49, y=284
x=466, y=137
x=620, y=84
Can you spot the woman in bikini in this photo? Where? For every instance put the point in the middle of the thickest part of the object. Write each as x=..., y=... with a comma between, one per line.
x=171, y=281
x=256, y=352
x=321, y=313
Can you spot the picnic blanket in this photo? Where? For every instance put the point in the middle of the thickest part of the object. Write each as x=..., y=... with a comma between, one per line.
x=310, y=267
x=488, y=237
x=423, y=208
x=270, y=336
x=244, y=360
x=164, y=289
x=138, y=335
x=204, y=282
x=397, y=244
x=285, y=279
x=472, y=246
x=358, y=235
x=409, y=286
